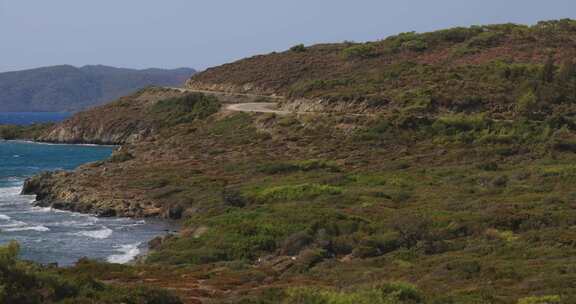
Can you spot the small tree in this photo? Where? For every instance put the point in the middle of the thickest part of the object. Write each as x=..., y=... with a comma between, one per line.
x=300, y=48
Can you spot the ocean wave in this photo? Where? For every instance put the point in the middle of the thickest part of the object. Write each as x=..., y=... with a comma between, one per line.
x=88, y=222
x=30, y=228
x=12, y=224
x=10, y=191
x=132, y=224
x=52, y=210
x=101, y=234
x=5, y=217
x=127, y=254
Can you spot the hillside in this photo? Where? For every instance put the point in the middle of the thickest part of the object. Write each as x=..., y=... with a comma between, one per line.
x=478, y=69
x=424, y=202
x=67, y=88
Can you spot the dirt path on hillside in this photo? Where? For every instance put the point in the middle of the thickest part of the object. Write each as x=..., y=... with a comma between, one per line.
x=260, y=107
x=257, y=107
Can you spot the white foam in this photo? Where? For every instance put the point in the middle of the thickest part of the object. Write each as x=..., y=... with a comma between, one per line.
x=127, y=254
x=5, y=217
x=10, y=191
x=12, y=224
x=52, y=210
x=97, y=234
x=89, y=222
x=42, y=209
x=133, y=224
x=30, y=228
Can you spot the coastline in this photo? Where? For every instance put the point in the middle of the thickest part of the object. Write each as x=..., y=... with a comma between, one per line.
x=125, y=252
x=29, y=141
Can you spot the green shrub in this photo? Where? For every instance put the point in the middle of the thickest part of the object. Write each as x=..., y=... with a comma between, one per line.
x=174, y=111
x=296, y=192
x=450, y=124
x=390, y=293
x=486, y=39
x=359, y=51
x=415, y=45
x=299, y=48
x=527, y=104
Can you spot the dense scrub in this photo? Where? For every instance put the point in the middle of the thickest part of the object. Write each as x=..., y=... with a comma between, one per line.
x=461, y=201
x=184, y=109
x=28, y=283
x=335, y=204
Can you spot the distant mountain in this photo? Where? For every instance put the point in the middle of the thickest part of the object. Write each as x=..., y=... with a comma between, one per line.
x=68, y=88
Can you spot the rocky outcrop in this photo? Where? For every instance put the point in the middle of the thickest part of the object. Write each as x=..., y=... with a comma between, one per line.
x=57, y=190
x=120, y=122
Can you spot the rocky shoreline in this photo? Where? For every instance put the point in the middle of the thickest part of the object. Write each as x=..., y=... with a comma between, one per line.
x=52, y=190
x=49, y=195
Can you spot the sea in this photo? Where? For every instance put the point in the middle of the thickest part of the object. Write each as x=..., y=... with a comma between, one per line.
x=30, y=118
x=52, y=236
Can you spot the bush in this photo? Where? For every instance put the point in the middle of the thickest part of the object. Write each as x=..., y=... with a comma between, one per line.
x=415, y=45
x=359, y=51
x=299, y=48
x=186, y=109
x=527, y=104
x=486, y=40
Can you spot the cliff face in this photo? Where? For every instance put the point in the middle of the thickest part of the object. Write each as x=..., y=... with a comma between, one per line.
x=119, y=122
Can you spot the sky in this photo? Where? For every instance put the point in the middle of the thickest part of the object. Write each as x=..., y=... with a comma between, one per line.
x=201, y=34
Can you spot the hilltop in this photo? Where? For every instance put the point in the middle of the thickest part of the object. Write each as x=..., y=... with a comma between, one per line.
x=476, y=69
x=68, y=89
x=433, y=198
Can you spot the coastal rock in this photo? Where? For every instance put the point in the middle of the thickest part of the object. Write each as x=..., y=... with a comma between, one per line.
x=120, y=122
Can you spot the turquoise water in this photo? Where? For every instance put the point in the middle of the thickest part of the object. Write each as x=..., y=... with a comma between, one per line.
x=28, y=118
x=48, y=236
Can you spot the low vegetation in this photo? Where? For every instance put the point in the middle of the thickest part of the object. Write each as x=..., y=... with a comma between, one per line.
x=28, y=283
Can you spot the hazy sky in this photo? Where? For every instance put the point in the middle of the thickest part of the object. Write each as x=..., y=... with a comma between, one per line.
x=200, y=34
